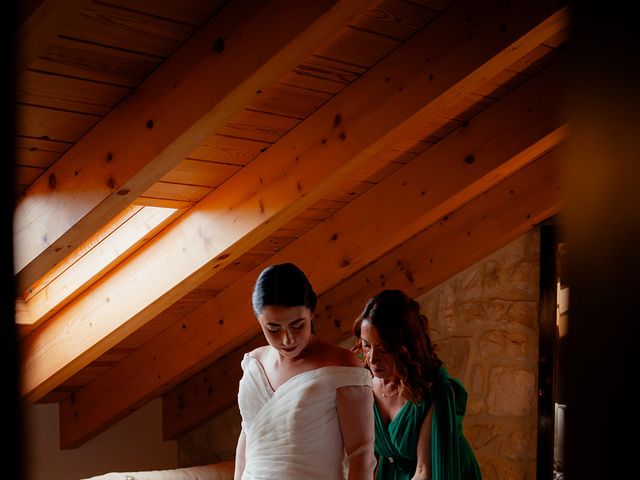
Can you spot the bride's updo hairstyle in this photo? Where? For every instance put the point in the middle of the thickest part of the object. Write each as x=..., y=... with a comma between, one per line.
x=284, y=285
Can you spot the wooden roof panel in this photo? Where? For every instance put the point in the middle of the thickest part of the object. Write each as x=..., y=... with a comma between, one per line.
x=177, y=191
x=397, y=20
x=190, y=12
x=129, y=30
x=357, y=47
x=37, y=152
x=323, y=75
x=50, y=124
x=228, y=150
x=259, y=126
x=71, y=94
x=200, y=173
x=116, y=44
x=87, y=61
x=289, y=101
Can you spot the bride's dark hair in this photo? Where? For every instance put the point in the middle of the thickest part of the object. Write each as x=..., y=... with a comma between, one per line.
x=285, y=285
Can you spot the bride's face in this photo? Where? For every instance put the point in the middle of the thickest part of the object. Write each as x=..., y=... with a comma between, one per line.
x=287, y=329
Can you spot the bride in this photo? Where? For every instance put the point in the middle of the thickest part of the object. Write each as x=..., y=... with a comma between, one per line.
x=306, y=404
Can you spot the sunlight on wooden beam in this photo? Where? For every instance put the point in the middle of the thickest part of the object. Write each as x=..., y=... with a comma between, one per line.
x=93, y=259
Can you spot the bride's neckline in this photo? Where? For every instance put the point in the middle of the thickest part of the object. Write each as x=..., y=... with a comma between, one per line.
x=263, y=371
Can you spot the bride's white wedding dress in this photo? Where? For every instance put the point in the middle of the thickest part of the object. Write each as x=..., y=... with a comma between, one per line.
x=293, y=433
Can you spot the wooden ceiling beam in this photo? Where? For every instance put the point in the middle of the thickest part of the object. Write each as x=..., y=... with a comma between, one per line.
x=502, y=140
x=359, y=122
x=195, y=92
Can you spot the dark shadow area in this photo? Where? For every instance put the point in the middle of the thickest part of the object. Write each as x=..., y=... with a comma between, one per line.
x=602, y=173
x=12, y=441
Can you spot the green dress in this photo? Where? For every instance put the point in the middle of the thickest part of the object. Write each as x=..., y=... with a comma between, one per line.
x=396, y=443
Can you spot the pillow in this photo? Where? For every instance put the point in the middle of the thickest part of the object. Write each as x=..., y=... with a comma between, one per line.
x=214, y=471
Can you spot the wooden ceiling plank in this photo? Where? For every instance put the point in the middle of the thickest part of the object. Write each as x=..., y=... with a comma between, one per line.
x=177, y=191
x=399, y=19
x=65, y=93
x=25, y=175
x=166, y=118
x=162, y=202
x=39, y=144
x=36, y=152
x=221, y=332
x=488, y=222
x=129, y=30
x=87, y=61
x=192, y=12
x=200, y=173
x=323, y=75
x=358, y=47
x=290, y=101
x=43, y=25
x=229, y=150
x=50, y=124
x=259, y=126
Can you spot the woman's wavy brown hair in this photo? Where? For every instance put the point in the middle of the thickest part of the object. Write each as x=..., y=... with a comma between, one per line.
x=402, y=328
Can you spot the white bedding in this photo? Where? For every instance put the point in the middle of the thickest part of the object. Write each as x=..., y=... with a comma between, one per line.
x=215, y=471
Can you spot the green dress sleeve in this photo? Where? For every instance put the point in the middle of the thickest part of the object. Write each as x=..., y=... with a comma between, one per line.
x=451, y=454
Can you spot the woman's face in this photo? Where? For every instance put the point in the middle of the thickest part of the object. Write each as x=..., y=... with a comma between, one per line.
x=287, y=329
x=379, y=361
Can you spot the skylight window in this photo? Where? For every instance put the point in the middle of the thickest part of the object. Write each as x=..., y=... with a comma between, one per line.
x=102, y=252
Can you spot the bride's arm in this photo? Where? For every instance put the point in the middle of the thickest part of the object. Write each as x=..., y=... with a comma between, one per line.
x=355, y=414
x=240, y=448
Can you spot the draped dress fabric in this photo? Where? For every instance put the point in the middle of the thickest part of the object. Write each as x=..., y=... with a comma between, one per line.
x=396, y=442
x=293, y=432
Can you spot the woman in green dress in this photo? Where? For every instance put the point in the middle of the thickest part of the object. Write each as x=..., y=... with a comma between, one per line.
x=418, y=408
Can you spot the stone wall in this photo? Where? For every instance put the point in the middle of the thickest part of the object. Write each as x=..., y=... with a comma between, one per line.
x=484, y=323
x=212, y=442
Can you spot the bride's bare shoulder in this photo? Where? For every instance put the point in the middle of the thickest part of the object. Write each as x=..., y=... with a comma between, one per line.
x=259, y=353
x=337, y=355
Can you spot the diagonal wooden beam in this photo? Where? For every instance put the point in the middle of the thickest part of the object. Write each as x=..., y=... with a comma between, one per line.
x=246, y=47
x=502, y=140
